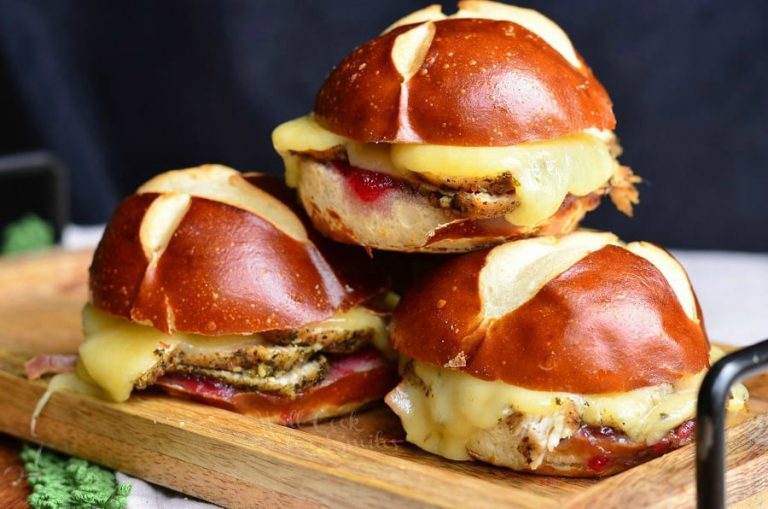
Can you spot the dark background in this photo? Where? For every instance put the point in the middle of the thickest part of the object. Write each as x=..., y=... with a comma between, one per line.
x=122, y=90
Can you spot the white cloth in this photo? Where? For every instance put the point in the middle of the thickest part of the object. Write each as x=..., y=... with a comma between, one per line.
x=733, y=293
x=148, y=496
x=732, y=289
x=75, y=236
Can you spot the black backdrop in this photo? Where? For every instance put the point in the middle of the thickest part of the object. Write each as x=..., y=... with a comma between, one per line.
x=122, y=90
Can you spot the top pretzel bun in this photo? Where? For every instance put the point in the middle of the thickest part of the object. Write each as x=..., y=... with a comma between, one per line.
x=490, y=75
x=211, y=251
x=584, y=314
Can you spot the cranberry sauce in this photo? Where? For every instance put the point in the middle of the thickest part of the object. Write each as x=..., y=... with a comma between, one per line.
x=367, y=185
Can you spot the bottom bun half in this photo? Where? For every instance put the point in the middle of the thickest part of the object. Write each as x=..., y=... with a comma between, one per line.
x=591, y=452
x=459, y=417
x=353, y=381
x=400, y=219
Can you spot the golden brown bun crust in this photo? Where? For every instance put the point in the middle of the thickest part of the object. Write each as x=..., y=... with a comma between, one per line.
x=610, y=323
x=225, y=270
x=119, y=263
x=482, y=83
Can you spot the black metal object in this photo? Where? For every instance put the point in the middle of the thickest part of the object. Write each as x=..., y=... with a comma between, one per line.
x=710, y=420
x=33, y=182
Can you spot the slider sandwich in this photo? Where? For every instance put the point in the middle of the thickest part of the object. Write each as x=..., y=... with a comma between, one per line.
x=211, y=285
x=580, y=356
x=449, y=133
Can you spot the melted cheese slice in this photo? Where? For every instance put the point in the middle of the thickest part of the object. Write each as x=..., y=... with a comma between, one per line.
x=442, y=415
x=546, y=171
x=359, y=318
x=118, y=352
x=302, y=134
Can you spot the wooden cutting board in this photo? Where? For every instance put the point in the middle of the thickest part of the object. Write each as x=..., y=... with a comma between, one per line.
x=359, y=461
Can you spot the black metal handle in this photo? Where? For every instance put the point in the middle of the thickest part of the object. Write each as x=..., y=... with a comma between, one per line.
x=710, y=420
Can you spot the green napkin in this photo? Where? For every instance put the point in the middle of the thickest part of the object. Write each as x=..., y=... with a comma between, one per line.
x=62, y=482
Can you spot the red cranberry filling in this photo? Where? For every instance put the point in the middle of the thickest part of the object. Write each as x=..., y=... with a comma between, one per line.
x=685, y=430
x=598, y=463
x=367, y=185
x=596, y=435
x=662, y=446
x=601, y=432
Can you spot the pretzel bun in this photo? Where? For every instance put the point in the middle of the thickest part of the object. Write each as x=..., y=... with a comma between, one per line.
x=211, y=251
x=491, y=75
x=555, y=321
x=603, y=308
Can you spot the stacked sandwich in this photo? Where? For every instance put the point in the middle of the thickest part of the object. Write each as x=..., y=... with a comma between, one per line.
x=534, y=345
x=555, y=352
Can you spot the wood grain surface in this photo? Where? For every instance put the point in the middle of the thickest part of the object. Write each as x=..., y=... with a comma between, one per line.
x=13, y=484
x=359, y=460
